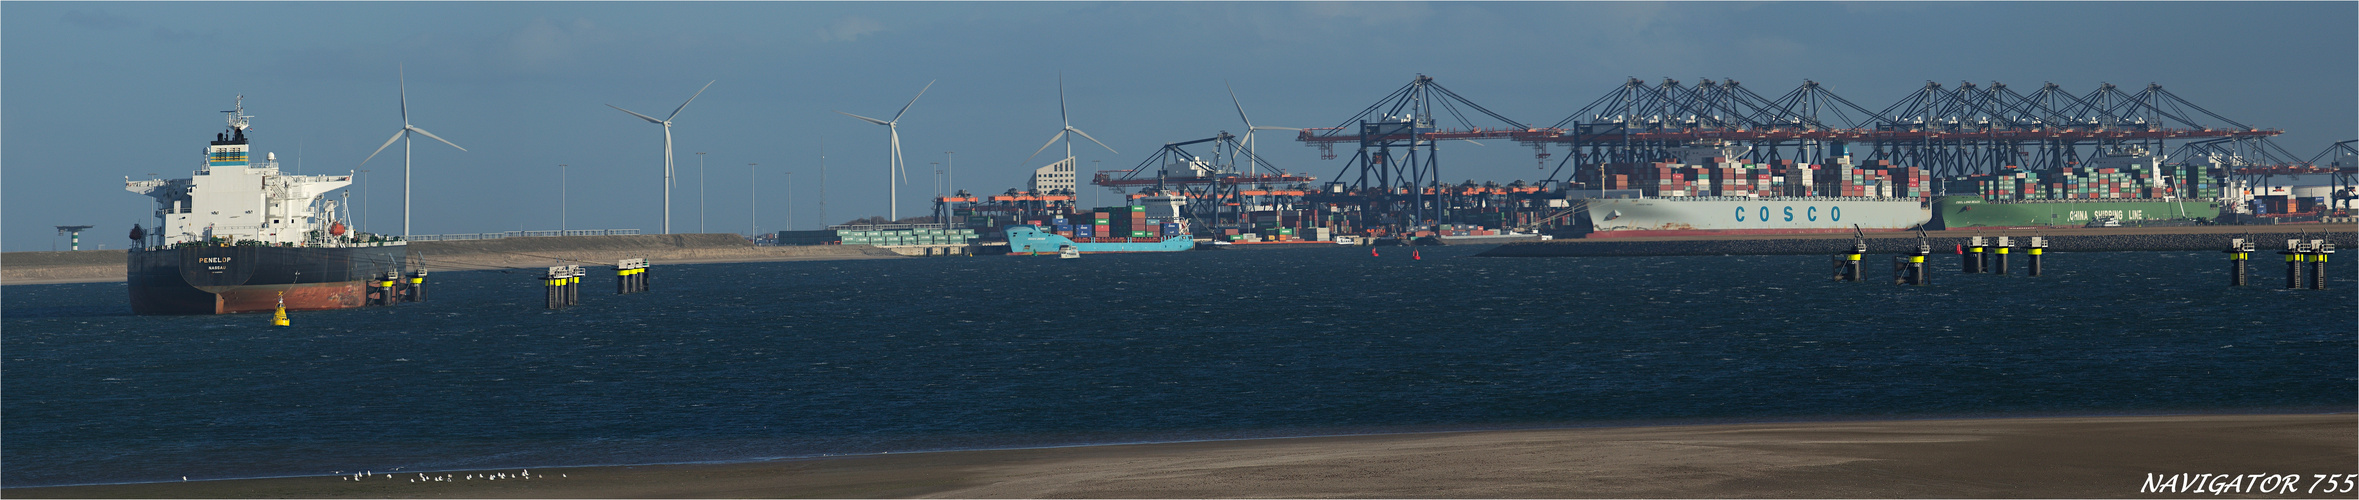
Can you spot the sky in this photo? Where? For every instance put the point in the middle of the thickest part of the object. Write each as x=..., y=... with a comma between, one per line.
x=93, y=92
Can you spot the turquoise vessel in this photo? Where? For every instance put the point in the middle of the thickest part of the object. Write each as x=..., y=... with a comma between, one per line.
x=1031, y=240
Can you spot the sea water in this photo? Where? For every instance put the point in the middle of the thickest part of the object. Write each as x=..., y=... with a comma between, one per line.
x=736, y=362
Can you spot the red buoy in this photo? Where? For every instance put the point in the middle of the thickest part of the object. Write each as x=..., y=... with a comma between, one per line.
x=1413, y=255
x=1372, y=252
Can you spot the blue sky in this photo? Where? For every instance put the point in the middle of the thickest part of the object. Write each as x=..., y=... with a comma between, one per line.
x=93, y=92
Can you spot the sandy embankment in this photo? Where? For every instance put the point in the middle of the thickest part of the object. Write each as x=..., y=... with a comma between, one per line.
x=2045, y=457
x=97, y=266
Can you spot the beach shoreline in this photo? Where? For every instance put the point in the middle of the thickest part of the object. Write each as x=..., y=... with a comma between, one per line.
x=1985, y=457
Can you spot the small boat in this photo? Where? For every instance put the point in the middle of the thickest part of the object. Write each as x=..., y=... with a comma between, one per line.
x=1068, y=252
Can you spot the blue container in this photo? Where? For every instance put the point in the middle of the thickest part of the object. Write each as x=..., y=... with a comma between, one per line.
x=1083, y=231
x=1171, y=228
x=1063, y=227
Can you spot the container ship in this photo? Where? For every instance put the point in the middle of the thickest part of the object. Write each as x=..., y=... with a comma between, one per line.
x=2121, y=186
x=239, y=236
x=1705, y=190
x=1113, y=230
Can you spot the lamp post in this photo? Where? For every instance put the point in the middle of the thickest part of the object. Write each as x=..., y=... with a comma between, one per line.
x=700, y=192
x=754, y=197
x=789, y=201
x=563, y=210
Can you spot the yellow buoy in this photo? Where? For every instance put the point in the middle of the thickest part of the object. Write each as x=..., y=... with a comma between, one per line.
x=280, y=318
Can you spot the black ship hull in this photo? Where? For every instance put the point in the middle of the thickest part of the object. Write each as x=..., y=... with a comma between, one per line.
x=214, y=279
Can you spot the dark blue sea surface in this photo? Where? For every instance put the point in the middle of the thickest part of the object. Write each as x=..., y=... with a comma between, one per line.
x=730, y=362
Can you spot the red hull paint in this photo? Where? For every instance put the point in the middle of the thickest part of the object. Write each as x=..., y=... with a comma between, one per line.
x=1293, y=242
x=304, y=297
x=1725, y=232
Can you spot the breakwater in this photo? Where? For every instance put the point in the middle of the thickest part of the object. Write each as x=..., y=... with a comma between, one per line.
x=2269, y=238
x=98, y=266
x=659, y=249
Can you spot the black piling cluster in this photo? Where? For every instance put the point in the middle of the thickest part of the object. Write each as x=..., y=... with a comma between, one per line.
x=2305, y=263
x=1990, y=256
x=563, y=286
x=2037, y=250
x=1972, y=259
x=2319, y=249
x=1909, y=268
x=630, y=276
x=1847, y=264
x=391, y=288
x=2240, y=252
x=417, y=289
x=1999, y=255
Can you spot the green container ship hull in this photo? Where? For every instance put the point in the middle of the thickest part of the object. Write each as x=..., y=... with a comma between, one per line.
x=1953, y=212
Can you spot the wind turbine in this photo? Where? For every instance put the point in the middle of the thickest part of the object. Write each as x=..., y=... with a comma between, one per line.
x=666, y=122
x=1068, y=131
x=403, y=136
x=1252, y=149
x=892, y=189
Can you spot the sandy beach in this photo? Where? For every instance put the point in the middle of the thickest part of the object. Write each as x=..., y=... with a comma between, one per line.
x=2094, y=457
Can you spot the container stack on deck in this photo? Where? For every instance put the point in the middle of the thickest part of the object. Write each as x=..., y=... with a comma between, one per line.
x=1119, y=224
x=2082, y=183
x=1725, y=177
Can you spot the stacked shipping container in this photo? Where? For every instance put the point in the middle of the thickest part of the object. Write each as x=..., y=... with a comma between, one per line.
x=2070, y=183
x=1744, y=178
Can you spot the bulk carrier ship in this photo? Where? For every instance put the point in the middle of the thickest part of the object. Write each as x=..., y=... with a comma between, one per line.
x=238, y=236
x=1705, y=190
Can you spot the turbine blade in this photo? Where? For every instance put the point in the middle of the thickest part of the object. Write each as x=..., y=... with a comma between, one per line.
x=1470, y=141
x=405, y=95
x=1052, y=141
x=1267, y=127
x=684, y=105
x=898, y=166
x=870, y=120
x=431, y=134
x=1085, y=135
x=1240, y=106
x=381, y=149
x=913, y=101
x=1061, y=119
x=649, y=119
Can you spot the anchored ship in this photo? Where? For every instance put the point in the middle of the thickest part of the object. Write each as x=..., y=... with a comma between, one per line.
x=238, y=234
x=1705, y=190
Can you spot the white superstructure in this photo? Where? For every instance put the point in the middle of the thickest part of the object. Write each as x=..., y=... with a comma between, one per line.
x=236, y=198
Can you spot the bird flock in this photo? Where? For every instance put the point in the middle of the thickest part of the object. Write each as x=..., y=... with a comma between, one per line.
x=521, y=474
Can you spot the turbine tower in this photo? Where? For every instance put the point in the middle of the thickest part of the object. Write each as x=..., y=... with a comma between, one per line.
x=1068, y=132
x=403, y=136
x=666, y=122
x=892, y=189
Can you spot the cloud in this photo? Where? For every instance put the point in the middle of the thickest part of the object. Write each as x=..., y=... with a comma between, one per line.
x=97, y=20
x=849, y=29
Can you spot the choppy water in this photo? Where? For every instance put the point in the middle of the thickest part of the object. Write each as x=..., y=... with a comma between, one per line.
x=747, y=361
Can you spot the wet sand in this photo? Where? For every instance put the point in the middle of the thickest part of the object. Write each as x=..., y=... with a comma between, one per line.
x=2042, y=457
